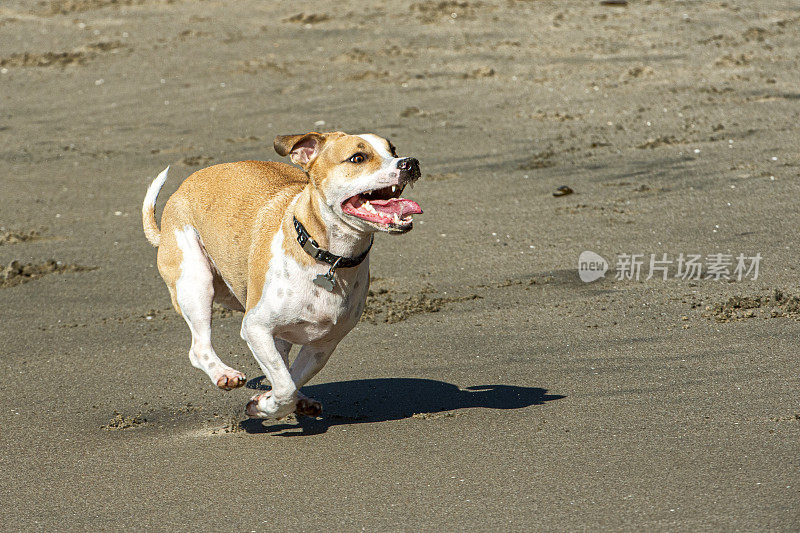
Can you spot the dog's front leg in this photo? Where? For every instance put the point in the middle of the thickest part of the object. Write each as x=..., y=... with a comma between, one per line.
x=281, y=400
x=308, y=362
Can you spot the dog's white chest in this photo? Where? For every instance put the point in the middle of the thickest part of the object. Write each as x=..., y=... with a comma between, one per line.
x=302, y=312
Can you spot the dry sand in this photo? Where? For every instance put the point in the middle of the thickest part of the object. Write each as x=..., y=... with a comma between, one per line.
x=488, y=387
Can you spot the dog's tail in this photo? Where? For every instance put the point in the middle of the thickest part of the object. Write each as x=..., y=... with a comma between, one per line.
x=151, y=230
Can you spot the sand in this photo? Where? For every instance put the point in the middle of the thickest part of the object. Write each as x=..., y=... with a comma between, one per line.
x=487, y=387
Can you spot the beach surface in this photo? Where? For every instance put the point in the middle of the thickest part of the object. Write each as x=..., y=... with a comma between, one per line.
x=487, y=386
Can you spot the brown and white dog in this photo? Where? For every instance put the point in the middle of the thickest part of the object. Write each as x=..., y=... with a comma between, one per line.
x=230, y=232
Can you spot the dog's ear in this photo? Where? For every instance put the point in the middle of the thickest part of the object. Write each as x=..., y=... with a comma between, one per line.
x=302, y=149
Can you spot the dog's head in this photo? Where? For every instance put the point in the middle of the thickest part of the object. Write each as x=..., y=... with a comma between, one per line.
x=360, y=177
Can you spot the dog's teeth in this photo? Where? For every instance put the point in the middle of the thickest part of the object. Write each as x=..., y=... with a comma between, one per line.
x=368, y=207
x=396, y=219
x=394, y=189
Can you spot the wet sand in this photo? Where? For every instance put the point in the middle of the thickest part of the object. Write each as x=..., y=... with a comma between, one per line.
x=487, y=386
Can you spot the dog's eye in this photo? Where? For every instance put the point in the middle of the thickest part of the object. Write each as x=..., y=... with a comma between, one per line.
x=357, y=158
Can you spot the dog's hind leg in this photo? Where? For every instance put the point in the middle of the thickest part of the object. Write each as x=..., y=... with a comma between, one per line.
x=194, y=293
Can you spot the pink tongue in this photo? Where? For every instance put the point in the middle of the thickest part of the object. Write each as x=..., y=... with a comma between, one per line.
x=401, y=206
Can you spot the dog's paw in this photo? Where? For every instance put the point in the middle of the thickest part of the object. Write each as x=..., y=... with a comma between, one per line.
x=264, y=405
x=230, y=379
x=308, y=406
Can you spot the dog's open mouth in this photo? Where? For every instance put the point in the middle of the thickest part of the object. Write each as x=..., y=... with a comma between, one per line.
x=383, y=208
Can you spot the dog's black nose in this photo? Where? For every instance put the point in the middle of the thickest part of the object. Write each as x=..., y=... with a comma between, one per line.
x=409, y=164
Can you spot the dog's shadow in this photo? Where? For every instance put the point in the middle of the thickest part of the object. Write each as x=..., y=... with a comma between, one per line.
x=380, y=400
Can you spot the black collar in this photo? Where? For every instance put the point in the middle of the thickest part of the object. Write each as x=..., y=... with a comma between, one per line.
x=313, y=249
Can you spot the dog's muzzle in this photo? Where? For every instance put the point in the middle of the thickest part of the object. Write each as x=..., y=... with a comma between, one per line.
x=409, y=169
